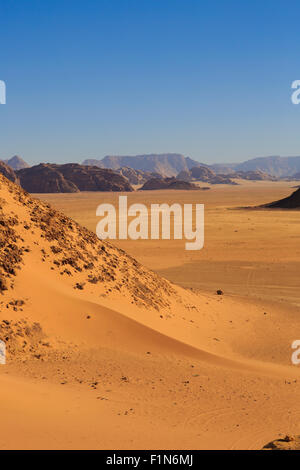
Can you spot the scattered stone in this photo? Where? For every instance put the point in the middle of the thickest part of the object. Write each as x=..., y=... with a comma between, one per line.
x=79, y=285
x=286, y=443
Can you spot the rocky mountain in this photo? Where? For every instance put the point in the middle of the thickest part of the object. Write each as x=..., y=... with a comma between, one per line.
x=94, y=178
x=223, y=168
x=276, y=166
x=185, y=175
x=204, y=173
x=166, y=164
x=137, y=176
x=44, y=178
x=16, y=163
x=290, y=202
x=167, y=183
x=70, y=178
x=256, y=175
x=8, y=172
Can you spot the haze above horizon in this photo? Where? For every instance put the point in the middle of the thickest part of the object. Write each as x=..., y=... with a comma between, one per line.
x=209, y=80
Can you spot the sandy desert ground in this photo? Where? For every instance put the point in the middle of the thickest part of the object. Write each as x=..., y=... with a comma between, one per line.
x=249, y=253
x=103, y=353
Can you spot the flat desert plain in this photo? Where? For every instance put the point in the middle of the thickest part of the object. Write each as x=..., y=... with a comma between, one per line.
x=136, y=362
x=249, y=253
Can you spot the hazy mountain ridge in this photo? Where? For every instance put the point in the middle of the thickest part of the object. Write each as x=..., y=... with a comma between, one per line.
x=16, y=163
x=276, y=166
x=168, y=183
x=136, y=176
x=170, y=164
x=206, y=174
x=166, y=164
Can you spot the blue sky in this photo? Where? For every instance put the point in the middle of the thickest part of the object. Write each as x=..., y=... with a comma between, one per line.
x=209, y=79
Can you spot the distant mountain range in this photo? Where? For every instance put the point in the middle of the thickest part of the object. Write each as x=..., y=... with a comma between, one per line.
x=70, y=178
x=275, y=166
x=166, y=164
x=171, y=164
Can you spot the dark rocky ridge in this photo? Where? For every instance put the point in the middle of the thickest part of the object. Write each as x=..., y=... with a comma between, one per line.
x=290, y=202
x=168, y=183
x=70, y=178
x=276, y=166
x=44, y=178
x=170, y=164
x=93, y=178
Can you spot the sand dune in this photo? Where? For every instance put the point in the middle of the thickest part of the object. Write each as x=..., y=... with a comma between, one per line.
x=104, y=353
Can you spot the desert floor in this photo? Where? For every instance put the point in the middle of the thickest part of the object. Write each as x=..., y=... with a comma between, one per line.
x=249, y=253
x=218, y=377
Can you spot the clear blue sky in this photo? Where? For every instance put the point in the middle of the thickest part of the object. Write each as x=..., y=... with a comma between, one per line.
x=209, y=79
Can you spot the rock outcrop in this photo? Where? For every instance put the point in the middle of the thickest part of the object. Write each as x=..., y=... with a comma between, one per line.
x=288, y=442
x=136, y=176
x=92, y=178
x=44, y=178
x=205, y=174
x=202, y=173
x=166, y=164
x=255, y=175
x=69, y=178
x=168, y=183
